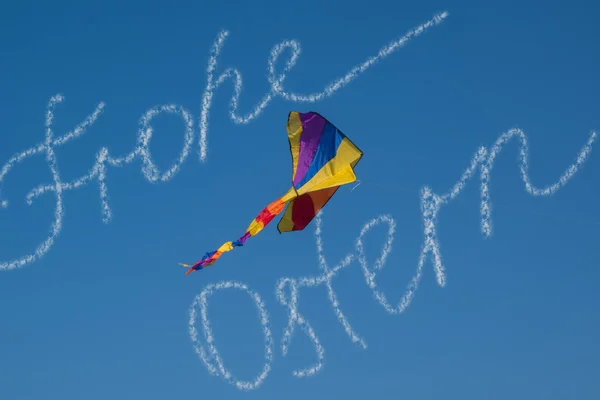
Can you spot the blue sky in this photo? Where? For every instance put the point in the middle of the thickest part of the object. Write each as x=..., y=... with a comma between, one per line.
x=104, y=313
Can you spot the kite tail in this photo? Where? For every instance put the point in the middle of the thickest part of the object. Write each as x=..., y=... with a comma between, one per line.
x=257, y=225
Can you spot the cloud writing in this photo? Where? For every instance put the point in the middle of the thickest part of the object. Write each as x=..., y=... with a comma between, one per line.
x=288, y=289
x=276, y=81
x=141, y=152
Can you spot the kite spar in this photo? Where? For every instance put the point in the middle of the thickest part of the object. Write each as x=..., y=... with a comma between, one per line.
x=323, y=159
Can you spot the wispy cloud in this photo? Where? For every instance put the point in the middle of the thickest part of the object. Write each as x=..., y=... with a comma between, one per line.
x=47, y=147
x=276, y=80
x=288, y=289
x=211, y=358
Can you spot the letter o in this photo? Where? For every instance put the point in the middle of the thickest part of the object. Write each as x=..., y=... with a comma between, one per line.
x=217, y=368
x=149, y=169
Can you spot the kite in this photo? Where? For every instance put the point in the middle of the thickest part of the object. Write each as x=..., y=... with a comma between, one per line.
x=323, y=159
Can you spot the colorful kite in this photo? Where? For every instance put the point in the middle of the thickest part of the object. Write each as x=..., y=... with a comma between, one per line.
x=323, y=159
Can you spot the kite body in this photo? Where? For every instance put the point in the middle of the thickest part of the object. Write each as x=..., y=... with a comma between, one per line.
x=323, y=159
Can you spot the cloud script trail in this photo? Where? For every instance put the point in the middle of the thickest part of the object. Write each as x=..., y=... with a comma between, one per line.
x=287, y=289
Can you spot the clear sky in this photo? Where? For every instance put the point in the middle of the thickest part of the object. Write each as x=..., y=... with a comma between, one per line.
x=103, y=314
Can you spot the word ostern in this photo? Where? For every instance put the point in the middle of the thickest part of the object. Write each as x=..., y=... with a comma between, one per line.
x=288, y=289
